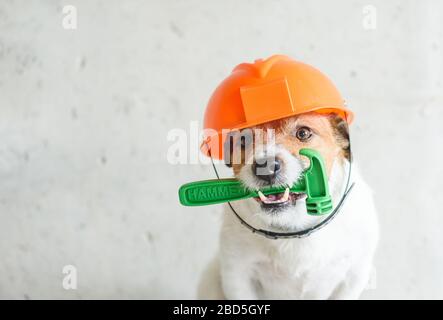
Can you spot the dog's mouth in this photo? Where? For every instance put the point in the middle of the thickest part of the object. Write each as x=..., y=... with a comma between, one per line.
x=279, y=200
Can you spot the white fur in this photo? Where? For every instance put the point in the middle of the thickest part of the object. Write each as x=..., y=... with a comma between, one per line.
x=332, y=263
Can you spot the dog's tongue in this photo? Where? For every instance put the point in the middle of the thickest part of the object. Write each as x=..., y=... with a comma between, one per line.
x=274, y=197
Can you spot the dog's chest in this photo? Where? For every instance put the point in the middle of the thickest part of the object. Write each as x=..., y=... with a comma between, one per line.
x=299, y=271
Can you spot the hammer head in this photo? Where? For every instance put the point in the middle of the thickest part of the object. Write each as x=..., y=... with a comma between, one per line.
x=318, y=201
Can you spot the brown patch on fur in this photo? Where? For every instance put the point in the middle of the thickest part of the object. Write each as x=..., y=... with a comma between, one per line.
x=330, y=137
x=341, y=134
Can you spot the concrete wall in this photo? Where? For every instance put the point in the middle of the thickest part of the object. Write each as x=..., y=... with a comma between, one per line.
x=84, y=116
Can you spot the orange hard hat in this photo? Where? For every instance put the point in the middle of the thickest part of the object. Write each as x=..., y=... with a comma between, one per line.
x=263, y=91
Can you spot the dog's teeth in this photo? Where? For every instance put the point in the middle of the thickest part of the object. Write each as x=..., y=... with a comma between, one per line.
x=262, y=197
x=285, y=196
x=266, y=200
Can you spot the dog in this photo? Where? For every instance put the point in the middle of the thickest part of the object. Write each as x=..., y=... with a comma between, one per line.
x=334, y=262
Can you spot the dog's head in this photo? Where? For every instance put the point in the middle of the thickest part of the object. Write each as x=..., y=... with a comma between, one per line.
x=268, y=156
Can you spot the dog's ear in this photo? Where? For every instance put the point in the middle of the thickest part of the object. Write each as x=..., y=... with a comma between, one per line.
x=341, y=132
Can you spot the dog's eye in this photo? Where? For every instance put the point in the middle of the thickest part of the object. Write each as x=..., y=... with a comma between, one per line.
x=244, y=142
x=303, y=133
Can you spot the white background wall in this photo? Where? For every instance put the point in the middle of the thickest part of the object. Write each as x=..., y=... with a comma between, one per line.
x=84, y=116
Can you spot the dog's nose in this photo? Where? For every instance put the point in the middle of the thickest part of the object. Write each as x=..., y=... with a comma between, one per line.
x=266, y=168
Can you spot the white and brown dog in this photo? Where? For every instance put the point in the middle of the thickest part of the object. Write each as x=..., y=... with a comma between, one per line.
x=332, y=263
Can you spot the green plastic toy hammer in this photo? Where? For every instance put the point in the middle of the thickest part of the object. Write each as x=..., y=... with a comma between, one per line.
x=314, y=184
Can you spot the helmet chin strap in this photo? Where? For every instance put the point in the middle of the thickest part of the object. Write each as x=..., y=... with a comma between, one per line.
x=306, y=232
